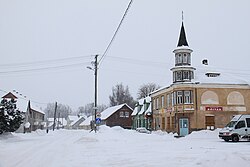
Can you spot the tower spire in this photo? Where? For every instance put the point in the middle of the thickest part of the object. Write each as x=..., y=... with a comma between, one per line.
x=182, y=39
x=182, y=17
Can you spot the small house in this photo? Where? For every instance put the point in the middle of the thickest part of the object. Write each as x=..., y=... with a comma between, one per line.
x=117, y=116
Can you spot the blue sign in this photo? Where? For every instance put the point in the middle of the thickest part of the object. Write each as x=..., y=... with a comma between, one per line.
x=98, y=120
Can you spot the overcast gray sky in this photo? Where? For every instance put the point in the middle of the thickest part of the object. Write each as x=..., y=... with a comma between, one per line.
x=38, y=35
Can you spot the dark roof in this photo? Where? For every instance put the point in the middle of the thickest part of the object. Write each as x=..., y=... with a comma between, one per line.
x=182, y=39
x=10, y=96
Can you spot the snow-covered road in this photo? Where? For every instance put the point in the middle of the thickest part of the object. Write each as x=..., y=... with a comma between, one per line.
x=118, y=147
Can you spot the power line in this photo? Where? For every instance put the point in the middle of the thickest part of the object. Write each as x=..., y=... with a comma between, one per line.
x=117, y=29
x=44, y=68
x=43, y=61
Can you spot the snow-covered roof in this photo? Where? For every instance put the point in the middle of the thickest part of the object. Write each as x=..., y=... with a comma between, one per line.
x=22, y=102
x=79, y=118
x=148, y=111
x=36, y=108
x=87, y=121
x=148, y=99
x=222, y=78
x=109, y=111
x=135, y=111
x=73, y=119
x=142, y=110
x=141, y=101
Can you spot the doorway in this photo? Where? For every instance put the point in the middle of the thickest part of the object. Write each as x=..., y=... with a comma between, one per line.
x=184, y=126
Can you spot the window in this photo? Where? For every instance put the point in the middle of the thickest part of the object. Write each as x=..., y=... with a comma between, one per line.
x=191, y=75
x=235, y=98
x=157, y=103
x=179, y=59
x=240, y=124
x=178, y=76
x=168, y=100
x=121, y=114
x=248, y=122
x=186, y=75
x=185, y=58
x=154, y=104
x=162, y=101
x=179, y=97
x=127, y=114
x=173, y=98
x=187, y=97
x=189, y=59
x=209, y=97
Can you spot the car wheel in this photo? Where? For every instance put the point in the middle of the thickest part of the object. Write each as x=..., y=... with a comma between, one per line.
x=227, y=140
x=235, y=138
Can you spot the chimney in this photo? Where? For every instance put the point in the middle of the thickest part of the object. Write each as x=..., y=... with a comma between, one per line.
x=205, y=62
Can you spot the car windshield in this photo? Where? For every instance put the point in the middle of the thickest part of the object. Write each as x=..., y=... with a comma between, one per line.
x=231, y=124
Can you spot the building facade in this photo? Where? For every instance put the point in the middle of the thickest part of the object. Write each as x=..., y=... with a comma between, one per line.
x=142, y=114
x=194, y=101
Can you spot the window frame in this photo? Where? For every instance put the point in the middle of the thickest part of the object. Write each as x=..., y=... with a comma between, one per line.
x=179, y=97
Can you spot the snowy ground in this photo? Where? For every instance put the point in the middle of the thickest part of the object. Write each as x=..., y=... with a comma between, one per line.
x=120, y=148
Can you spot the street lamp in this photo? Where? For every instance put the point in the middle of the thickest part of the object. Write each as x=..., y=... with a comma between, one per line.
x=95, y=73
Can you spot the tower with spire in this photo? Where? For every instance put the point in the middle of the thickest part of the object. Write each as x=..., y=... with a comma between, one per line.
x=183, y=70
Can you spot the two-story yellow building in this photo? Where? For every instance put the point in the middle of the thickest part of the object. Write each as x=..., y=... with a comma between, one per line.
x=197, y=98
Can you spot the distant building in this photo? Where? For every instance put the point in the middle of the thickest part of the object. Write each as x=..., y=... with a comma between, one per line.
x=33, y=116
x=113, y=116
x=73, y=121
x=142, y=114
x=205, y=99
x=117, y=116
x=59, y=123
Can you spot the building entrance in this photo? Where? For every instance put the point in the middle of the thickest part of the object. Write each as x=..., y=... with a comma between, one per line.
x=184, y=126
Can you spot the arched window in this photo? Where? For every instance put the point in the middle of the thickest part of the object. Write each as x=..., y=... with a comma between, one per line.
x=235, y=98
x=186, y=75
x=189, y=59
x=185, y=58
x=179, y=59
x=209, y=97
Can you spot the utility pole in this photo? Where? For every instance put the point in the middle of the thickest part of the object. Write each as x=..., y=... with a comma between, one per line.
x=95, y=107
x=55, y=117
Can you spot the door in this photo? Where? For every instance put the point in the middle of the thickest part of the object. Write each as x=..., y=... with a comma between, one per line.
x=184, y=127
x=209, y=122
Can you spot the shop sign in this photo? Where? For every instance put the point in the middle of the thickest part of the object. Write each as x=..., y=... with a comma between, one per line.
x=214, y=108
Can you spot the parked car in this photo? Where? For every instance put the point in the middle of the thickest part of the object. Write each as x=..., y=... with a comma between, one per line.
x=143, y=130
x=237, y=129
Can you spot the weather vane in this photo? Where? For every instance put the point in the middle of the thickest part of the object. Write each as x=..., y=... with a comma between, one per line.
x=182, y=16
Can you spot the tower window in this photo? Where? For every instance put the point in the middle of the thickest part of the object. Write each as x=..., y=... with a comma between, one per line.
x=189, y=59
x=185, y=59
x=179, y=59
x=186, y=75
x=178, y=76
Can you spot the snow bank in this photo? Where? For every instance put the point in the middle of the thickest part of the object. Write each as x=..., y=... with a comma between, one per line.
x=120, y=147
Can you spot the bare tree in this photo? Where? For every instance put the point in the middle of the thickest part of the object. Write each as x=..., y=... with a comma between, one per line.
x=121, y=95
x=146, y=89
x=88, y=109
x=64, y=110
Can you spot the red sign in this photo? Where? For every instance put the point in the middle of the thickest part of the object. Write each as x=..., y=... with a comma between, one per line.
x=214, y=108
